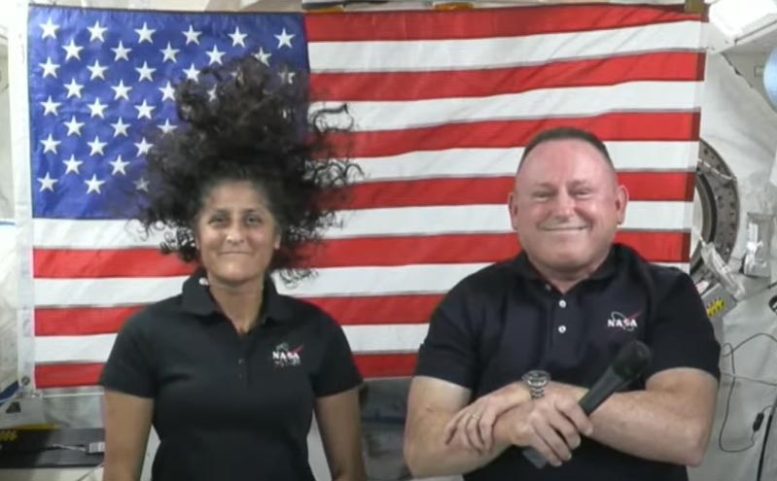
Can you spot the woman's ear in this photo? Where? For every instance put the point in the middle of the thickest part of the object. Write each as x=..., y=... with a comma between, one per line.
x=195, y=239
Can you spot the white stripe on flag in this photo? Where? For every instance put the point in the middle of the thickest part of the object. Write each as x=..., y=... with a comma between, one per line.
x=331, y=281
x=386, y=338
x=652, y=216
x=399, y=221
x=426, y=55
x=328, y=282
x=92, y=234
x=474, y=163
x=105, y=292
x=362, y=339
x=534, y=104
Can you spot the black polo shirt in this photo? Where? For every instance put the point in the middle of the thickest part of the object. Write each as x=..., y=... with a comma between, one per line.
x=230, y=407
x=505, y=320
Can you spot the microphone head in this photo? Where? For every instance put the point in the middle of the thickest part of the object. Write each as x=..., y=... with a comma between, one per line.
x=632, y=359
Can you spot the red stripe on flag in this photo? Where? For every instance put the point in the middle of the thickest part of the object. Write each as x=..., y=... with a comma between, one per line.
x=380, y=309
x=405, y=309
x=665, y=186
x=386, y=365
x=410, y=250
x=61, y=263
x=377, y=86
x=504, y=22
x=393, y=251
x=475, y=248
x=67, y=375
x=88, y=374
x=513, y=133
x=81, y=321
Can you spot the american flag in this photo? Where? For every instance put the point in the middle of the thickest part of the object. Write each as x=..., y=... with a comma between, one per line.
x=443, y=102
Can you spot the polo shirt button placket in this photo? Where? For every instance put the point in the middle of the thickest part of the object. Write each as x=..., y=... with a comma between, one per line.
x=241, y=373
x=562, y=328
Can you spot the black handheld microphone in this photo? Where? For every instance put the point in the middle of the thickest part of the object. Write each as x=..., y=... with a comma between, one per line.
x=631, y=360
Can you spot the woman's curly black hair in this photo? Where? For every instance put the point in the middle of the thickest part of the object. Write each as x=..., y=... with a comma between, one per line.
x=255, y=128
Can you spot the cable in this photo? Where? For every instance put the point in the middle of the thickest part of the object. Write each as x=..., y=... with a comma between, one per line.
x=69, y=447
x=750, y=379
x=8, y=400
x=757, y=422
x=759, y=471
x=97, y=447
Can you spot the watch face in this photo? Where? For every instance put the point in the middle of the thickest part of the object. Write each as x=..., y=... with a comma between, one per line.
x=536, y=378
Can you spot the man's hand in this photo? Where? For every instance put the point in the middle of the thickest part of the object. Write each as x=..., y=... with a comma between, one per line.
x=472, y=427
x=552, y=425
x=556, y=422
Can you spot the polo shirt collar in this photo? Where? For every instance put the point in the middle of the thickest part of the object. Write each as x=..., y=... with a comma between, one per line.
x=523, y=266
x=196, y=299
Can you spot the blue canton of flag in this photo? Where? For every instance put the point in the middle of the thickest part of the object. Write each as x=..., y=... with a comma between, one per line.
x=101, y=89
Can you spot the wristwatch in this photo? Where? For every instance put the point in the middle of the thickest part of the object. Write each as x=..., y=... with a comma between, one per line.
x=536, y=380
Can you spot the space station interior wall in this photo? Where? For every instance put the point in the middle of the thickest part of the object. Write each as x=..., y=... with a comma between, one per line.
x=6, y=193
x=7, y=239
x=742, y=128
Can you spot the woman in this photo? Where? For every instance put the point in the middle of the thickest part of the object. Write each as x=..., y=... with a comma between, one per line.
x=229, y=371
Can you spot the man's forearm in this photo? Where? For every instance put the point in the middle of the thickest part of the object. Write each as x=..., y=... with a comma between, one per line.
x=427, y=454
x=651, y=425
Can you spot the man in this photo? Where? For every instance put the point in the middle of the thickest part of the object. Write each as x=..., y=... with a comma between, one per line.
x=565, y=306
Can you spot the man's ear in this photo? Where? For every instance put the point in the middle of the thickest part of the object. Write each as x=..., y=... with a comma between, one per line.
x=512, y=208
x=621, y=200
